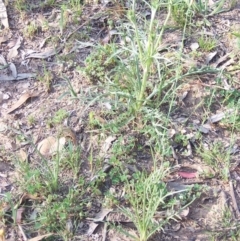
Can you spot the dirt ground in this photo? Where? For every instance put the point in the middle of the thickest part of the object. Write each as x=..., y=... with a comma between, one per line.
x=34, y=87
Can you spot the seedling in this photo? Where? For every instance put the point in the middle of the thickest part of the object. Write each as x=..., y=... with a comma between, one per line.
x=48, y=3
x=207, y=43
x=31, y=120
x=46, y=78
x=30, y=30
x=71, y=159
x=217, y=158
x=11, y=215
x=181, y=139
x=100, y=62
x=59, y=116
x=76, y=6
x=179, y=9
x=63, y=18
x=20, y=5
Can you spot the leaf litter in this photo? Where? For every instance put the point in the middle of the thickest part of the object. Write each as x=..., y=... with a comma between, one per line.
x=34, y=120
x=3, y=15
x=21, y=101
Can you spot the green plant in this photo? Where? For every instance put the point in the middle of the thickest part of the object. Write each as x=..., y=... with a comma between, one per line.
x=30, y=30
x=57, y=211
x=58, y=117
x=229, y=227
x=31, y=179
x=179, y=9
x=76, y=5
x=71, y=90
x=71, y=158
x=31, y=120
x=146, y=194
x=217, y=158
x=9, y=215
x=100, y=62
x=110, y=200
x=146, y=51
x=47, y=3
x=44, y=177
x=181, y=139
x=45, y=26
x=207, y=43
x=204, y=9
x=63, y=18
x=194, y=192
x=20, y=5
x=46, y=78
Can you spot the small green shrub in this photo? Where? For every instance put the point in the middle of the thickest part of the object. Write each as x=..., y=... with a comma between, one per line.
x=58, y=117
x=178, y=12
x=207, y=43
x=100, y=63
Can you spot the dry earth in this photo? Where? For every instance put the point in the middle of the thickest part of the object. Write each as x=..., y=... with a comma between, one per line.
x=28, y=105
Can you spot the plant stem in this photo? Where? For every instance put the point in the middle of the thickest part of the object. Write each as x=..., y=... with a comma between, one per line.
x=146, y=65
x=152, y=46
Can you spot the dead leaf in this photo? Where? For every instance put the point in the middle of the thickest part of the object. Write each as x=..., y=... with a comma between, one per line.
x=51, y=145
x=11, y=43
x=27, y=196
x=21, y=101
x=20, y=76
x=25, y=76
x=6, y=78
x=4, y=38
x=58, y=146
x=2, y=60
x=92, y=227
x=221, y=60
x=219, y=116
x=44, y=147
x=106, y=146
x=1, y=97
x=40, y=237
x=2, y=234
x=13, y=52
x=202, y=169
x=98, y=218
x=175, y=186
x=23, y=155
x=210, y=57
x=104, y=232
x=13, y=69
x=187, y=174
x=22, y=233
x=19, y=214
x=68, y=133
x=205, y=128
x=101, y=215
x=184, y=213
x=3, y=15
x=41, y=45
x=227, y=63
x=44, y=55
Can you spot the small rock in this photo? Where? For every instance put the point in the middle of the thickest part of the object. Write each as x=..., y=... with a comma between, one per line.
x=194, y=46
